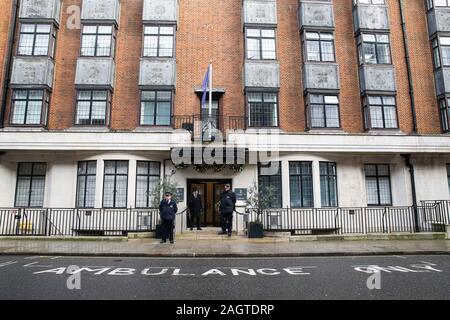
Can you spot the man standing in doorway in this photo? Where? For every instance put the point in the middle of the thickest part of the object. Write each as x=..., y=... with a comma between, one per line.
x=195, y=206
x=227, y=207
x=167, y=210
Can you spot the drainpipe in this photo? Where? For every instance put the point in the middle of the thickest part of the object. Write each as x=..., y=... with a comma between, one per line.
x=408, y=66
x=8, y=59
x=409, y=164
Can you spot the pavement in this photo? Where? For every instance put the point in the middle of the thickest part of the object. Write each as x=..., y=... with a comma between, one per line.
x=236, y=246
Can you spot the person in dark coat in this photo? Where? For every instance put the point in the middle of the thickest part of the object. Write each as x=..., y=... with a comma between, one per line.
x=167, y=210
x=227, y=207
x=195, y=206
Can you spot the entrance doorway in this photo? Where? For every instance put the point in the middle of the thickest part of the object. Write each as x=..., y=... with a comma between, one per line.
x=209, y=191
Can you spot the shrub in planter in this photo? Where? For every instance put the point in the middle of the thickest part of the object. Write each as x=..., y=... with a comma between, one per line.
x=255, y=230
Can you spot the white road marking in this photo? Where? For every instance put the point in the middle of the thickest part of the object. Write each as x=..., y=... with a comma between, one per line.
x=33, y=265
x=31, y=258
x=8, y=263
x=54, y=258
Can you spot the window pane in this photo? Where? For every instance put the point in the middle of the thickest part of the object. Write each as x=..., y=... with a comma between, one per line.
x=317, y=116
x=141, y=191
x=122, y=167
x=26, y=44
x=327, y=51
x=147, y=113
x=255, y=97
x=166, y=46
x=98, y=114
x=372, y=191
x=41, y=45
x=332, y=115
x=83, y=113
x=313, y=50
x=81, y=192
x=253, y=49
x=390, y=117
x=23, y=191
x=37, y=192
x=92, y=167
x=88, y=45
x=150, y=46
x=307, y=191
x=154, y=168
x=110, y=167
x=103, y=46
x=385, y=191
x=121, y=192
x=376, y=116
x=34, y=112
x=163, y=113
x=108, y=192
x=90, y=192
x=166, y=30
x=268, y=48
x=18, y=116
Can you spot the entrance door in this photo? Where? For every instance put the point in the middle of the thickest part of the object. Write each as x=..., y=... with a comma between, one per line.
x=202, y=192
x=210, y=191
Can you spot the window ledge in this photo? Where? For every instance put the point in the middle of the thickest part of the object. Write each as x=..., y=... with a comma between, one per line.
x=326, y=131
x=383, y=132
x=23, y=129
x=154, y=129
x=88, y=129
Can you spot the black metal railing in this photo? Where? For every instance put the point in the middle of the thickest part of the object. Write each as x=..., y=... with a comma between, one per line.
x=76, y=222
x=205, y=127
x=431, y=217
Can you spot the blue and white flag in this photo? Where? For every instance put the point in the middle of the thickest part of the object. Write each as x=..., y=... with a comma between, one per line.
x=205, y=87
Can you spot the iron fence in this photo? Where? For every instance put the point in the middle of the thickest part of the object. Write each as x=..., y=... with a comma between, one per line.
x=76, y=222
x=363, y=220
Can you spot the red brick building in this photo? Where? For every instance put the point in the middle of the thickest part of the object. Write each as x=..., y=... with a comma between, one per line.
x=97, y=93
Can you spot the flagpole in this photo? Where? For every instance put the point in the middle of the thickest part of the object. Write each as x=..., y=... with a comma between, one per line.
x=210, y=87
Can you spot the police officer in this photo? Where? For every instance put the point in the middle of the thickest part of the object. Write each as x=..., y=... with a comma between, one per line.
x=227, y=207
x=167, y=210
x=195, y=206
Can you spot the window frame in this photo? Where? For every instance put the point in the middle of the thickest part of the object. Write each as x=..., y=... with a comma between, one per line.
x=305, y=45
x=360, y=48
x=155, y=103
x=301, y=176
x=277, y=109
x=86, y=174
x=33, y=164
x=159, y=36
x=148, y=175
x=260, y=28
x=51, y=41
x=436, y=47
x=112, y=49
x=308, y=110
x=444, y=109
x=448, y=176
x=328, y=176
x=377, y=176
x=45, y=104
x=367, y=117
x=107, y=107
x=269, y=177
x=114, y=200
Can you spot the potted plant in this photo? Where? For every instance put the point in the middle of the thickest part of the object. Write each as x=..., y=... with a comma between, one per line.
x=258, y=200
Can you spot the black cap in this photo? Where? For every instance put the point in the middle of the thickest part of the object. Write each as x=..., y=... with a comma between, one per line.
x=168, y=193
